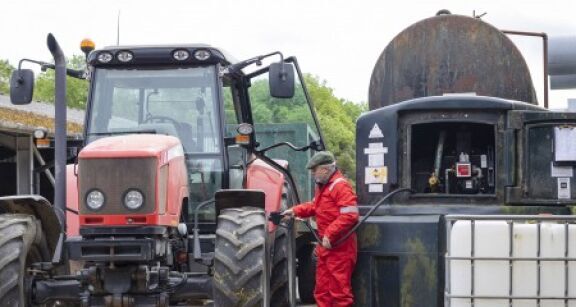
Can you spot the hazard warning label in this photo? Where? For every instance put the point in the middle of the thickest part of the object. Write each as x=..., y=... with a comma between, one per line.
x=375, y=132
x=376, y=175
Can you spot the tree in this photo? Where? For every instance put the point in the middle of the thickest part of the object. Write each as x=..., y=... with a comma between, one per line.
x=5, y=73
x=337, y=116
x=76, y=89
x=338, y=122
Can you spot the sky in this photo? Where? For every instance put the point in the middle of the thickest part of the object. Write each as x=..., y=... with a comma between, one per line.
x=338, y=41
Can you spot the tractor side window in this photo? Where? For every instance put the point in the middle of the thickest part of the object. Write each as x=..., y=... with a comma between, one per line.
x=236, y=154
x=230, y=113
x=285, y=120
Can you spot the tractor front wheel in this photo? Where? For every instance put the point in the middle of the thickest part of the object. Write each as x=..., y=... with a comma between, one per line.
x=20, y=244
x=240, y=253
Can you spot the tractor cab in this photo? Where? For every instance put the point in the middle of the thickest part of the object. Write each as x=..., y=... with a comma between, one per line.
x=199, y=94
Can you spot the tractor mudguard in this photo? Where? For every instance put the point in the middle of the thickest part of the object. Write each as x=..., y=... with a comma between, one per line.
x=37, y=206
x=72, y=218
x=262, y=176
x=225, y=199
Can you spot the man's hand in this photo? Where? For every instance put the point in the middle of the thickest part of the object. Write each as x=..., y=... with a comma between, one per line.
x=326, y=243
x=288, y=214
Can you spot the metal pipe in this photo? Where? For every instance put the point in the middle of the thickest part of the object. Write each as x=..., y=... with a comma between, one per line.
x=544, y=37
x=566, y=266
x=43, y=163
x=448, y=301
x=447, y=180
x=538, y=263
x=439, y=153
x=456, y=217
x=510, y=262
x=504, y=297
x=544, y=259
x=472, y=255
x=60, y=124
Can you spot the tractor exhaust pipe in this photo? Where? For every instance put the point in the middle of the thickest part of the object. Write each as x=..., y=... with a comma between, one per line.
x=60, y=125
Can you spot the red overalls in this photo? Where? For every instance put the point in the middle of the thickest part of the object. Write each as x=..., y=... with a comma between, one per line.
x=334, y=207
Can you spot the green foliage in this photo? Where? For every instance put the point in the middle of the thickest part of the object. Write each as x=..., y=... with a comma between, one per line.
x=76, y=89
x=338, y=123
x=5, y=73
x=337, y=116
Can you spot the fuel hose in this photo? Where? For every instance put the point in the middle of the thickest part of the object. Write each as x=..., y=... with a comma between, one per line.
x=276, y=217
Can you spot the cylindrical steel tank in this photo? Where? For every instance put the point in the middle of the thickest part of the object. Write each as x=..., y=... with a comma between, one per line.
x=450, y=54
x=562, y=62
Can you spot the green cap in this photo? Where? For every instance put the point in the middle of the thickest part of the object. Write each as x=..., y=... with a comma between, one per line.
x=320, y=158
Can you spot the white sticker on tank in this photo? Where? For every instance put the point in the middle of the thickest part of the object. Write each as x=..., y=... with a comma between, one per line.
x=564, y=188
x=375, y=132
x=375, y=148
x=375, y=188
x=483, y=161
x=376, y=160
x=561, y=171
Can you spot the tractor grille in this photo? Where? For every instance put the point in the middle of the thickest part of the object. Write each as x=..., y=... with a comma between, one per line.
x=114, y=177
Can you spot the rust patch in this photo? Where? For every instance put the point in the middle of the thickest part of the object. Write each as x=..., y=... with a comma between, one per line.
x=420, y=269
x=450, y=54
x=369, y=236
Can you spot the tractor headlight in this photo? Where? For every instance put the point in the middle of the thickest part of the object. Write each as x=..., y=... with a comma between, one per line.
x=245, y=129
x=133, y=199
x=125, y=56
x=105, y=57
x=181, y=55
x=95, y=200
x=202, y=54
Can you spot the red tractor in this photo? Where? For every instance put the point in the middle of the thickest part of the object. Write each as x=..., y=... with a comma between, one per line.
x=168, y=200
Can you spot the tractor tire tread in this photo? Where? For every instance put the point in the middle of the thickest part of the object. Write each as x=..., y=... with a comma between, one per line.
x=18, y=232
x=238, y=265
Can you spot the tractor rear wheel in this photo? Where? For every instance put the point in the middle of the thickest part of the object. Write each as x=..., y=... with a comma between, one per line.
x=306, y=274
x=240, y=255
x=279, y=280
x=20, y=244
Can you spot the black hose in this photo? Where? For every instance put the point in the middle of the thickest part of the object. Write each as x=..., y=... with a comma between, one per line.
x=364, y=218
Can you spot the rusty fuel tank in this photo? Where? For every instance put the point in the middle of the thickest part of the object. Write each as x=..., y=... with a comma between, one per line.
x=450, y=54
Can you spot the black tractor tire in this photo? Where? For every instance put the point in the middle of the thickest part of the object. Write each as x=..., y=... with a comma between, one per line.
x=20, y=245
x=306, y=272
x=240, y=253
x=279, y=287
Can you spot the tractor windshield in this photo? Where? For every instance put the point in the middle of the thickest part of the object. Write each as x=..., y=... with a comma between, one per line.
x=179, y=102
x=182, y=102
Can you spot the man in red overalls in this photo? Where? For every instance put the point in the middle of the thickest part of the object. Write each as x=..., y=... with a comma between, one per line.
x=334, y=206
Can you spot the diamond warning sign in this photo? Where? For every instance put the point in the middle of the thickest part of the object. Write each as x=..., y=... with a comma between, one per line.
x=376, y=175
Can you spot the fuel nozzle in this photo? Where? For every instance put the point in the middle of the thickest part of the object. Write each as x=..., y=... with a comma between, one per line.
x=276, y=217
x=433, y=183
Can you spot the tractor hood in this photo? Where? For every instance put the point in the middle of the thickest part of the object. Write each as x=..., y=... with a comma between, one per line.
x=135, y=145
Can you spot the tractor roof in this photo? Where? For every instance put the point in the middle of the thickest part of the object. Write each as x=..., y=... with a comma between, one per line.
x=161, y=54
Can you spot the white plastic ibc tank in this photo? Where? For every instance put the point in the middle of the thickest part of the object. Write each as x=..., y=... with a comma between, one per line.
x=491, y=277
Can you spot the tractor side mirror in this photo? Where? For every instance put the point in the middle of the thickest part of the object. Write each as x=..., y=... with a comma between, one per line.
x=281, y=80
x=21, y=86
